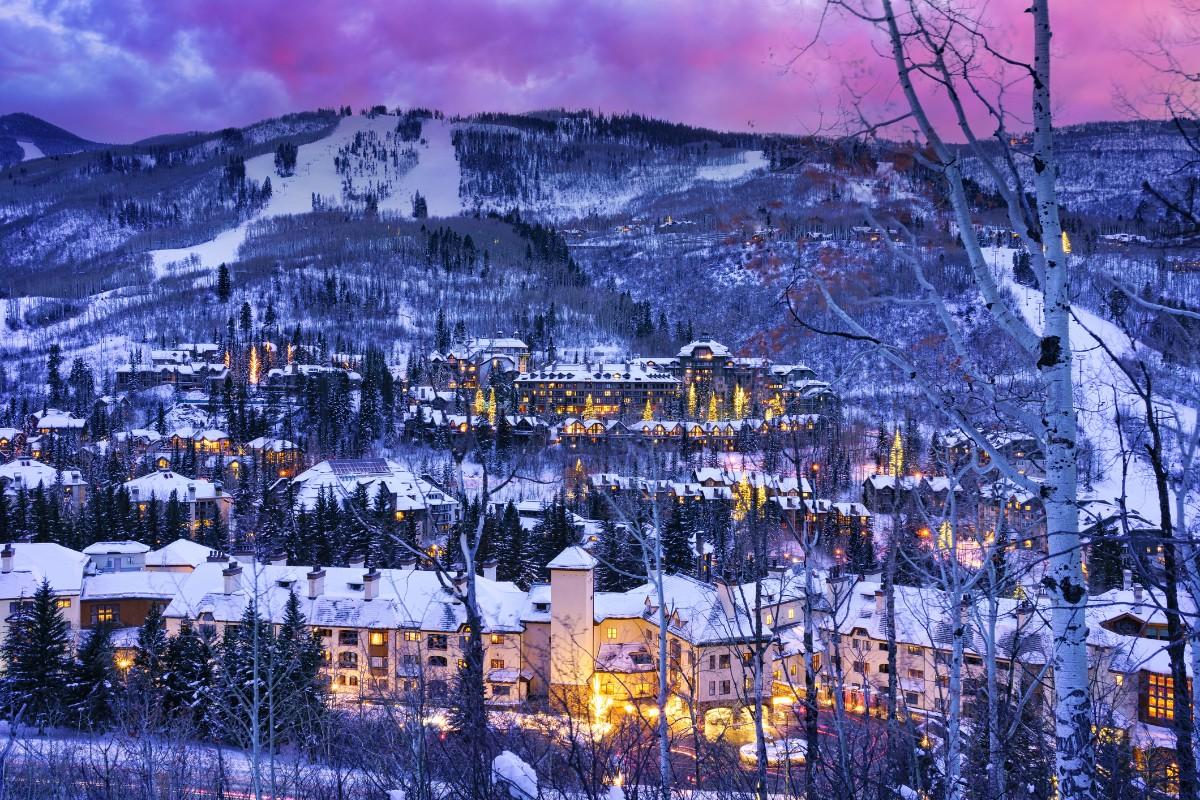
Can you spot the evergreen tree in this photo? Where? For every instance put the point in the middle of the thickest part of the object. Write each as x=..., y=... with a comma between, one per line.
x=148, y=673
x=94, y=680
x=224, y=284
x=37, y=660
x=1105, y=562
x=54, y=381
x=678, y=557
x=297, y=683
x=188, y=683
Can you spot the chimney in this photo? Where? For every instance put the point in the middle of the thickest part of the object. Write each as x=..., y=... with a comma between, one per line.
x=1127, y=579
x=358, y=562
x=316, y=583
x=133, y=493
x=215, y=557
x=725, y=595
x=6, y=559
x=879, y=598
x=191, y=492
x=489, y=569
x=231, y=574
x=279, y=559
x=408, y=562
x=371, y=584
x=1137, y=593
x=460, y=580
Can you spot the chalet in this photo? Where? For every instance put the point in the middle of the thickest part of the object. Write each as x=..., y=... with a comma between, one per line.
x=407, y=495
x=27, y=474
x=23, y=568
x=204, y=502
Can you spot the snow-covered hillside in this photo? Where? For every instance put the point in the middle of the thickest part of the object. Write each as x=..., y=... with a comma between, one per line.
x=316, y=179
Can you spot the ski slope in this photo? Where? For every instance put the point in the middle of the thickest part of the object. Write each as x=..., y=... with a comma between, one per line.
x=436, y=176
x=30, y=151
x=1101, y=391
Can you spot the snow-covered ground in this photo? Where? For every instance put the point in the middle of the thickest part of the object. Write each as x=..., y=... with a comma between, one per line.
x=1101, y=391
x=436, y=176
x=748, y=161
x=30, y=150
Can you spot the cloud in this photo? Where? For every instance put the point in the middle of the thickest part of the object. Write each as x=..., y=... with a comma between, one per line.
x=118, y=70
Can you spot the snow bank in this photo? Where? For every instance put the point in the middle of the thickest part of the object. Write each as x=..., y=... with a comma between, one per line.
x=514, y=775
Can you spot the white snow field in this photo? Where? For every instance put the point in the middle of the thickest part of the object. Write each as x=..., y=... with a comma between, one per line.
x=30, y=151
x=1101, y=390
x=436, y=176
x=748, y=161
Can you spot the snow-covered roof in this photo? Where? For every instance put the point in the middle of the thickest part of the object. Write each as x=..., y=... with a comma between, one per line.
x=716, y=347
x=115, y=548
x=29, y=473
x=631, y=372
x=160, y=484
x=271, y=445
x=35, y=562
x=132, y=584
x=179, y=553
x=407, y=598
x=573, y=558
x=342, y=477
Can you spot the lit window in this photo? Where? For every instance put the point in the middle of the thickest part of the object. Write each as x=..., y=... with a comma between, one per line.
x=377, y=637
x=62, y=602
x=612, y=633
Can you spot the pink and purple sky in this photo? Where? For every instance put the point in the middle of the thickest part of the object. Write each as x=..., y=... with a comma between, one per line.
x=119, y=70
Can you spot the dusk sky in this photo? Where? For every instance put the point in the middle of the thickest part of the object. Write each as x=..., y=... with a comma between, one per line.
x=119, y=70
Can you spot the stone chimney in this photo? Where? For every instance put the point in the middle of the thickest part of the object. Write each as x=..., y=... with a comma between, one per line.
x=279, y=559
x=6, y=559
x=489, y=569
x=316, y=583
x=408, y=562
x=133, y=493
x=358, y=562
x=879, y=602
x=231, y=574
x=1127, y=579
x=191, y=492
x=371, y=584
x=460, y=580
x=1137, y=593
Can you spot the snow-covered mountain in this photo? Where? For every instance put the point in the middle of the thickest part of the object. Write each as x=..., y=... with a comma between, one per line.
x=24, y=137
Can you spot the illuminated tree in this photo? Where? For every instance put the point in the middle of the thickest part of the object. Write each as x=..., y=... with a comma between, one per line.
x=712, y=408
x=589, y=408
x=480, y=404
x=253, y=365
x=648, y=411
x=691, y=401
x=491, y=406
x=741, y=402
x=743, y=496
x=896, y=456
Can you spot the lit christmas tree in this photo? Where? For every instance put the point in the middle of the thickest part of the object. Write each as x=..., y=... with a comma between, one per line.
x=253, y=365
x=648, y=411
x=896, y=456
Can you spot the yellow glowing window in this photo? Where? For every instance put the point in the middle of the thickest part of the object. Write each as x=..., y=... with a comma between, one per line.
x=497, y=638
x=377, y=637
x=612, y=633
x=62, y=602
x=412, y=636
